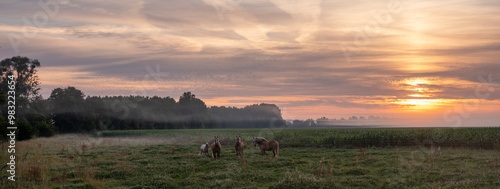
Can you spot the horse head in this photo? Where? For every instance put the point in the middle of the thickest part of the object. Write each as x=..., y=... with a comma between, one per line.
x=258, y=140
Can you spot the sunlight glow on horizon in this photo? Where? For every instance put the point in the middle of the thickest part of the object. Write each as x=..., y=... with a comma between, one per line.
x=421, y=62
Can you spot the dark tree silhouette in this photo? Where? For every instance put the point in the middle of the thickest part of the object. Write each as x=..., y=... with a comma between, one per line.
x=96, y=113
x=68, y=100
x=30, y=109
x=193, y=111
x=67, y=110
x=24, y=70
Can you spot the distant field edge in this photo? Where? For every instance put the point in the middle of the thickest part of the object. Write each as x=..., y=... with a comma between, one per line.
x=474, y=137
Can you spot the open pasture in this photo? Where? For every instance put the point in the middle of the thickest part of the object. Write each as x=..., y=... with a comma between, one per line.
x=317, y=158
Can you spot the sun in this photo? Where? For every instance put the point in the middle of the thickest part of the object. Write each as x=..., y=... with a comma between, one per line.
x=416, y=82
x=419, y=102
x=420, y=95
x=417, y=86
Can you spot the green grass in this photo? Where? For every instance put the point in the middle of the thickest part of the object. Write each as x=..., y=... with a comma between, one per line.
x=169, y=159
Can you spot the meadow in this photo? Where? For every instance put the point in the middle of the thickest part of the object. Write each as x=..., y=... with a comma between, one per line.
x=308, y=158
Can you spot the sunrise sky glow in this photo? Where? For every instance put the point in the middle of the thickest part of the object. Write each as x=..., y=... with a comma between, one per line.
x=429, y=63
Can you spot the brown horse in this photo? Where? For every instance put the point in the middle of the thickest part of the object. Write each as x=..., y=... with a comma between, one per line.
x=238, y=146
x=204, y=149
x=265, y=145
x=216, y=148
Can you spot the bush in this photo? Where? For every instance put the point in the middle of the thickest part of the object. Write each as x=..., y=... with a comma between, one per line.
x=25, y=130
x=45, y=129
x=3, y=129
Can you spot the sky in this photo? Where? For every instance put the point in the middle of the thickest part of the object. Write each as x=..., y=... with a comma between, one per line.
x=422, y=63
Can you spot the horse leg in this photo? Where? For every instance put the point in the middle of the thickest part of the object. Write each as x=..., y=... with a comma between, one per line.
x=277, y=149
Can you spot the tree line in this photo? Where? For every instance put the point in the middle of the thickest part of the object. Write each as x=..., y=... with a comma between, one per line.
x=69, y=110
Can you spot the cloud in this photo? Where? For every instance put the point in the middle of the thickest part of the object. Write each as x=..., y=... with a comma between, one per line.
x=276, y=48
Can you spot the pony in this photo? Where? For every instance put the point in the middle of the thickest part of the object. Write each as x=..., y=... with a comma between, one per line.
x=265, y=145
x=216, y=148
x=204, y=149
x=238, y=146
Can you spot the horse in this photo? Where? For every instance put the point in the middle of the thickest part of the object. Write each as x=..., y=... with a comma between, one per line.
x=216, y=148
x=265, y=145
x=238, y=146
x=204, y=149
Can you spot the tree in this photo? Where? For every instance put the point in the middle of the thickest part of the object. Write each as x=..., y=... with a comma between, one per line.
x=26, y=91
x=3, y=97
x=26, y=130
x=24, y=70
x=67, y=109
x=193, y=111
x=68, y=100
x=190, y=104
x=186, y=97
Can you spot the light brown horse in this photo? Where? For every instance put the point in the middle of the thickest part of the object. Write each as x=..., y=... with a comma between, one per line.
x=265, y=145
x=216, y=148
x=204, y=149
x=238, y=146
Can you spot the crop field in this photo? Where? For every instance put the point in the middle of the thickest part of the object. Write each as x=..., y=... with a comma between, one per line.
x=484, y=138
x=308, y=158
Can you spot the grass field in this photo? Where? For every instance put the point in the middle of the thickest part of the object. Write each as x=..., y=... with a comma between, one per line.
x=318, y=158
